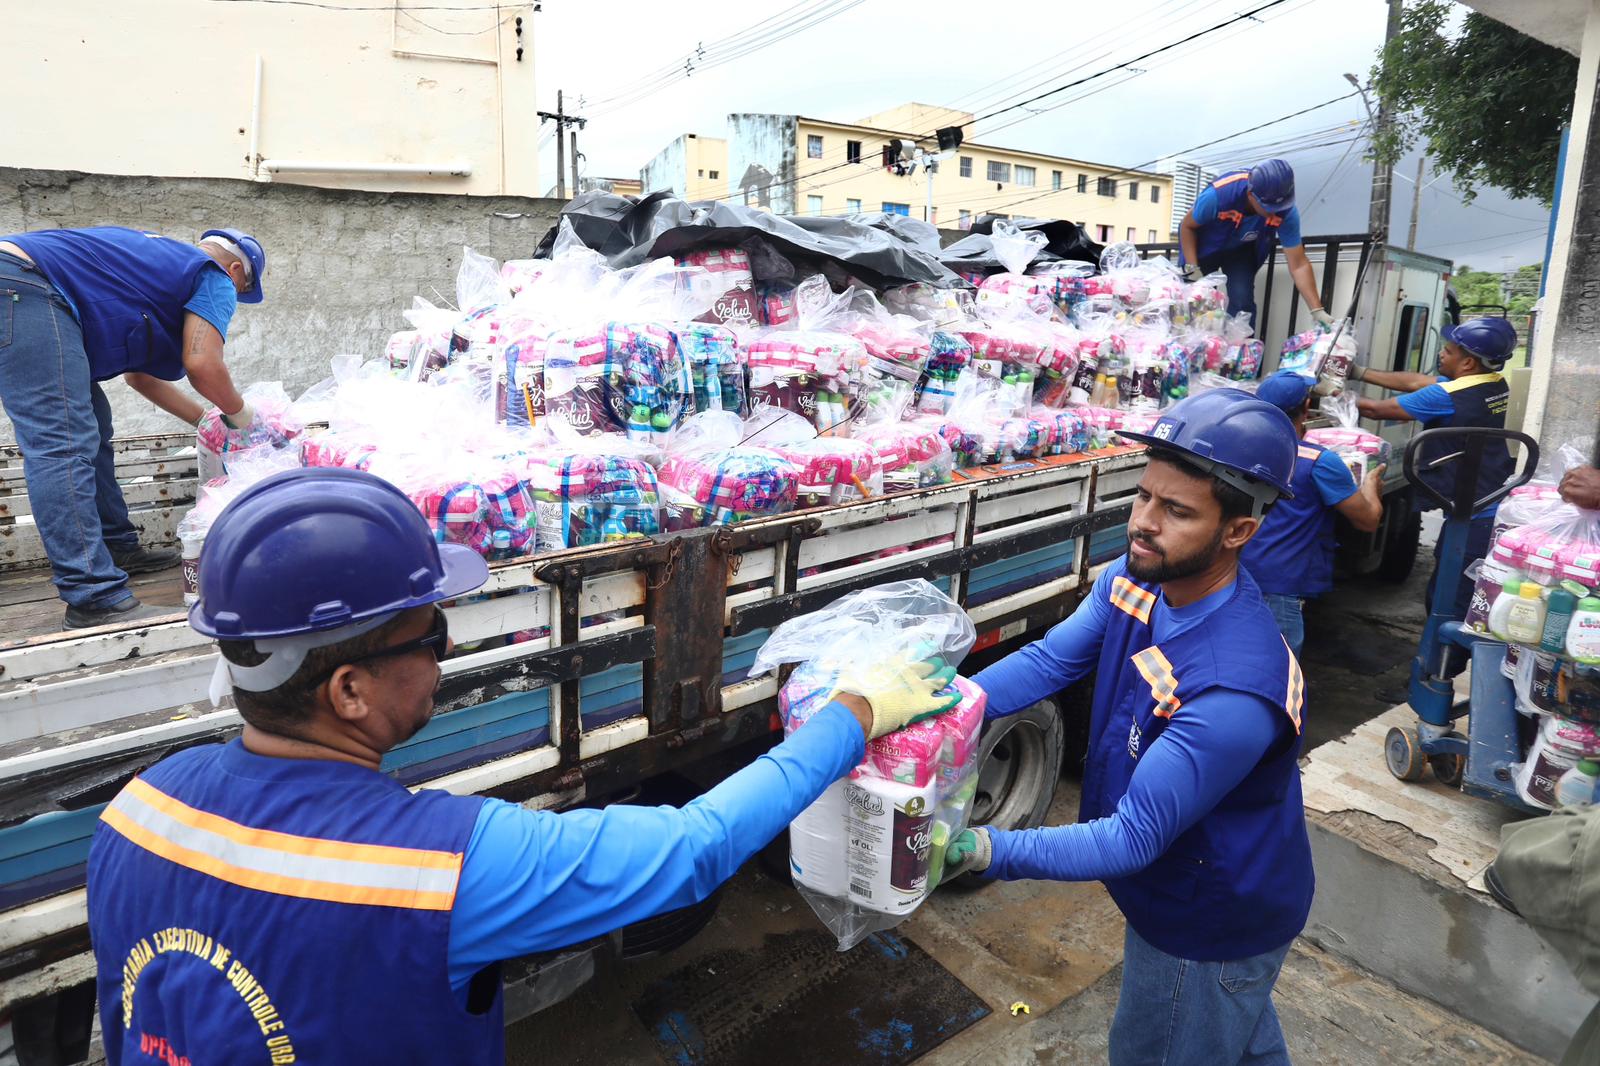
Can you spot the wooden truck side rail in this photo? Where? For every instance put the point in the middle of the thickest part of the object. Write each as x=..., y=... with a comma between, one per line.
x=629, y=660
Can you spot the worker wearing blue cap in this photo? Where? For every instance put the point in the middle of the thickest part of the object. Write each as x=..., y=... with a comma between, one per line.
x=85, y=306
x=1232, y=226
x=1468, y=391
x=1291, y=555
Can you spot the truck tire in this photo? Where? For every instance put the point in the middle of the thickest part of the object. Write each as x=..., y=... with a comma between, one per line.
x=673, y=929
x=1019, y=764
x=1400, y=549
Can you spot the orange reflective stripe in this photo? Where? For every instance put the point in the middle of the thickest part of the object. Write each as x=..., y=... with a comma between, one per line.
x=1308, y=452
x=1294, y=700
x=1157, y=673
x=1274, y=220
x=1243, y=175
x=1231, y=216
x=1131, y=599
x=282, y=863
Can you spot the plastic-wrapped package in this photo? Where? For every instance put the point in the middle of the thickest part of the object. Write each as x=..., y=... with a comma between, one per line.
x=275, y=424
x=1360, y=450
x=928, y=303
x=247, y=467
x=949, y=357
x=334, y=448
x=1563, y=545
x=735, y=303
x=815, y=366
x=833, y=470
x=1208, y=303
x=593, y=492
x=1068, y=282
x=473, y=500
x=1070, y=434
x=1241, y=359
x=869, y=850
x=1559, y=745
x=518, y=274
x=716, y=366
x=910, y=455
x=710, y=478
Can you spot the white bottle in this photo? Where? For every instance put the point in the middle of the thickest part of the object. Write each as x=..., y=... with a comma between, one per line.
x=1525, y=616
x=1510, y=592
x=1583, y=633
x=1577, y=786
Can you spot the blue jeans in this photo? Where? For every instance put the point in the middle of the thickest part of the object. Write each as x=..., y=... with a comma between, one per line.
x=1241, y=266
x=66, y=457
x=1175, y=1012
x=1291, y=623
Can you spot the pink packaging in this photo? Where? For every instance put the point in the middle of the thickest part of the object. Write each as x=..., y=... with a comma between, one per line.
x=910, y=756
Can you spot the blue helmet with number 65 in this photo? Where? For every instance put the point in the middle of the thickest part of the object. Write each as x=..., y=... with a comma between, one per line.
x=1238, y=439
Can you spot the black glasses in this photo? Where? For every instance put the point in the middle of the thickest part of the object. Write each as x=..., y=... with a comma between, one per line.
x=436, y=640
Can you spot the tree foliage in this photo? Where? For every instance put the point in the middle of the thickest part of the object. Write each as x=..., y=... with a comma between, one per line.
x=1490, y=101
x=1517, y=293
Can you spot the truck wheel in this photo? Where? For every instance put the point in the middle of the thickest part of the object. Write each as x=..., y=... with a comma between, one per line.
x=1019, y=763
x=1400, y=549
x=673, y=929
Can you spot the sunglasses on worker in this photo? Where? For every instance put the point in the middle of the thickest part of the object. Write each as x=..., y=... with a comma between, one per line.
x=436, y=640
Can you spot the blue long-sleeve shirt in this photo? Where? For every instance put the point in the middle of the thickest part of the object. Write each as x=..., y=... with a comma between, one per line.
x=537, y=880
x=1207, y=748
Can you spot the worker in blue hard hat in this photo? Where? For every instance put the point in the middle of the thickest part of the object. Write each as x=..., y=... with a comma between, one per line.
x=1191, y=811
x=279, y=898
x=1291, y=556
x=1232, y=227
x=1469, y=390
x=86, y=306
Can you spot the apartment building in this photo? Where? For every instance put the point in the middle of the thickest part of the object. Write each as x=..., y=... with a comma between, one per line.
x=891, y=162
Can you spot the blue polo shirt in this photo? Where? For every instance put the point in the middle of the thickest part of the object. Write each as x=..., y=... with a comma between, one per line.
x=1205, y=212
x=1428, y=402
x=215, y=300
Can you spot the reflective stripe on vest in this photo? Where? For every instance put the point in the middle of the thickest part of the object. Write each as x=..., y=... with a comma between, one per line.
x=1131, y=599
x=1295, y=699
x=282, y=863
x=1306, y=451
x=1157, y=673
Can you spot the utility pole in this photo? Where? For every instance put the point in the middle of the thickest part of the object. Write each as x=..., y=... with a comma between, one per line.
x=1416, y=203
x=562, y=120
x=1383, y=176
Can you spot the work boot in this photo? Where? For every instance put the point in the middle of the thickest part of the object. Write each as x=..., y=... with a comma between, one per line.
x=145, y=560
x=129, y=610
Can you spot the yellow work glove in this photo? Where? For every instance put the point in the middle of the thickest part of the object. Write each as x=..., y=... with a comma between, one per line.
x=901, y=690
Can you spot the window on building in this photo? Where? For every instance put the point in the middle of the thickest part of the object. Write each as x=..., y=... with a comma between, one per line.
x=1130, y=235
x=1055, y=180
x=1083, y=183
x=1102, y=233
x=1105, y=187
x=715, y=174
x=1133, y=190
x=852, y=151
x=933, y=215
x=998, y=171
x=896, y=209
x=966, y=166
x=700, y=173
x=965, y=220
x=1150, y=235
x=813, y=146
x=853, y=206
x=1155, y=194
x=1025, y=175
x=813, y=205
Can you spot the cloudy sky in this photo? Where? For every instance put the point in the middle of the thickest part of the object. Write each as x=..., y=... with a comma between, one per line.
x=624, y=59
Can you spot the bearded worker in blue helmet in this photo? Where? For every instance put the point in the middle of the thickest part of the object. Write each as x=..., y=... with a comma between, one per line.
x=1191, y=811
x=1232, y=227
x=85, y=306
x=280, y=899
x=1468, y=390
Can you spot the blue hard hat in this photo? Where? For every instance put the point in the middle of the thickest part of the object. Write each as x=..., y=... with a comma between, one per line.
x=1238, y=439
x=1492, y=340
x=253, y=252
x=1286, y=390
x=316, y=549
x=1272, y=182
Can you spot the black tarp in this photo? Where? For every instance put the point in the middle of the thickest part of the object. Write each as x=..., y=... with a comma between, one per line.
x=974, y=253
x=781, y=249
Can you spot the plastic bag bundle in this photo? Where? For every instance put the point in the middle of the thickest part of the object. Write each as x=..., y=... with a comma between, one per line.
x=519, y=377
x=1208, y=303
x=949, y=357
x=716, y=366
x=274, y=425
x=594, y=495
x=910, y=455
x=870, y=849
x=333, y=448
x=719, y=488
x=1070, y=434
x=1058, y=369
x=469, y=500
x=815, y=366
x=833, y=470
x=518, y=274
x=1068, y=282
x=246, y=468
x=1564, y=545
x=735, y=303
x=1557, y=747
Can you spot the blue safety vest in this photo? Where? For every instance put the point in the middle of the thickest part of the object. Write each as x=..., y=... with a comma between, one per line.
x=1238, y=882
x=130, y=289
x=1292, y=553
x=1237, y=223
x=1479, y=400
x=252, y=910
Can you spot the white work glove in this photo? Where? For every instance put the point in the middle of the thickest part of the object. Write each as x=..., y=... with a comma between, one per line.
x=901, y=691
x=1192, y=273
x=970, y=852
x=1357, y=373
x=240, y=420
x=1323, y=320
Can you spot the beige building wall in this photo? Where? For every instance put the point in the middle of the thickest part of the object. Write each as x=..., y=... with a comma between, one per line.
x=168, y=88
x=1110, y=203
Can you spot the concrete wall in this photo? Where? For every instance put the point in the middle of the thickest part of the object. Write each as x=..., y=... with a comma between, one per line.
x=761, y=161
x=342, y=265
x=168, y=87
